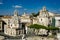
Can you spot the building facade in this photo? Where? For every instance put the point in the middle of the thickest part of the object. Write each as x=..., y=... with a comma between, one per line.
x=17, y=25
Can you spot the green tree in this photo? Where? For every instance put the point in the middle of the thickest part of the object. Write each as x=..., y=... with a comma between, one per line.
x=35, y=14
x=50, y=28
x=37, y=26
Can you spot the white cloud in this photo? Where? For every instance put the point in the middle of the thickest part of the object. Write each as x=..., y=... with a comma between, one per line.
x=1, y=3
x=25, y=9
x=17, y=6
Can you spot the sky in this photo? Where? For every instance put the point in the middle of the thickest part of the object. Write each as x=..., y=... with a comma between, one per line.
x=7, y=7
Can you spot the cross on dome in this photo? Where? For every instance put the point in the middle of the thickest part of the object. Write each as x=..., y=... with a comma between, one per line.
x=44, y=8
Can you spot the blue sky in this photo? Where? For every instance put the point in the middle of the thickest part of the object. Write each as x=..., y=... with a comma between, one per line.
x=7, y=7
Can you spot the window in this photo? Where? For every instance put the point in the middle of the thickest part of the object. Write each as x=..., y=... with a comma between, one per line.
x=19, y=32
x=0, y=25
x=59, y=23
x=11, y=33
x=41, y=19
x=11, y=24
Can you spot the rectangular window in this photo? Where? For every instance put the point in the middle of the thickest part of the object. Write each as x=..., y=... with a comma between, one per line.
x=41, y=19
x=19, y=32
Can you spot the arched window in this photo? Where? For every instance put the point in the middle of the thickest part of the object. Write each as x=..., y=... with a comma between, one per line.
x=41, y=19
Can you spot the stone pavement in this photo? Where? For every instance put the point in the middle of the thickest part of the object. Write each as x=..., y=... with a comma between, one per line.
x=1, y=37
x=40, y=38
